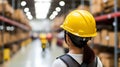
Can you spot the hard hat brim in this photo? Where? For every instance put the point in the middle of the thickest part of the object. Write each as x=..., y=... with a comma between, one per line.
x=77, y=34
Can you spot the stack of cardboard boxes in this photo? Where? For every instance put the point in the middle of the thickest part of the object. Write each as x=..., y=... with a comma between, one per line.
x=16, y=15
x=104, y=6
x=106, y=38
x=109, y=5
x=8, y=10
x=97, y=6
x=107, y=59
x=83, y=7
x=0, y=38
x=20, y=17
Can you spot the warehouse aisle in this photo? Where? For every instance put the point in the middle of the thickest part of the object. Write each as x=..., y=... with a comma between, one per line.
x=32, y=56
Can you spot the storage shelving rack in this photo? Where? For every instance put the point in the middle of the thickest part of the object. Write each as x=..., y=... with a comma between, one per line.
x=4, y=21
x=115, y=15
x=107, y=17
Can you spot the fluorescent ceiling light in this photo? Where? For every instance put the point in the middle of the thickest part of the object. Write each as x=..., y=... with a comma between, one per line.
x=55, y=13
x=43, y=0
x=58, y=9
x=52, y=17
x=30, y=17
x=26, y=9
x=28, y=13
x=23, y=3
x=42, y=9
x=61, y=3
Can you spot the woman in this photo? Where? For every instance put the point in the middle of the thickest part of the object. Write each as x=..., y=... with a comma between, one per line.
x=79, y=27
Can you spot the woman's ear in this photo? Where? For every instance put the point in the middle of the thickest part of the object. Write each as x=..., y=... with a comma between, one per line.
x=68, y=39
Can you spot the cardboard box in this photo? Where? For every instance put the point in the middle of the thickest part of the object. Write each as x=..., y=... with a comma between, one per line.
x=19, y=16
x=15, y=48
x=1, y=55
x=6, y=38
x=83, y=7
x=95, y=9
x=97, y=39
x=111, y=3
x=108, y=10
x=119, y=39
x=13, y=38
x=105, y=37
x=0, y=39
x=97, y=2
x=7, y=8
x=107, y=59
x=97, y=6
x=119, y=62
x=111, y=38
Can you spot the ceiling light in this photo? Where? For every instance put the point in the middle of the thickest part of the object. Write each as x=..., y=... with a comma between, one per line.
x=23, y=3
x=26, y=9
x=41, y=12
x=58, y=9
x=43, y=0
x=52, y=17
x=28, y=13
x=61, y=3
x=55, y=13
x=30, y=17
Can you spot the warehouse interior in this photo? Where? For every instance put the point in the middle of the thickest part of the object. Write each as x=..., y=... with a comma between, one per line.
x=24, y=23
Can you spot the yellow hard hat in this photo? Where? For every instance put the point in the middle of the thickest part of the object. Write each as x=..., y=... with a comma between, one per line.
x=80, y=23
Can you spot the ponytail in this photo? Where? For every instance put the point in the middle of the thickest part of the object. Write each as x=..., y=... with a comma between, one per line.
x=88, y=54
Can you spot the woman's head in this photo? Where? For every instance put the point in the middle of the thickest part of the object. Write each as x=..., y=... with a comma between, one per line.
x=76, y=40
x=80, y=26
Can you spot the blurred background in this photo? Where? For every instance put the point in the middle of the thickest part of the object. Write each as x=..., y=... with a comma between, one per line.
x=30, y=33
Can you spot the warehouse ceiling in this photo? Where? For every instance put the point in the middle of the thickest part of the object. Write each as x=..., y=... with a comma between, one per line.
x=69, y=4
x=61, y=6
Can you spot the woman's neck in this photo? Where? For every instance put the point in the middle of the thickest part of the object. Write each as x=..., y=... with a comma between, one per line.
x=75, y=50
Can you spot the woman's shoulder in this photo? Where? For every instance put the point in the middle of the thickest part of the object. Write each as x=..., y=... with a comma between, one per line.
x=58, y=63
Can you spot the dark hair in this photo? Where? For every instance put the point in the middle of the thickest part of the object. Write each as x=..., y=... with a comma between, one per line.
x=80, y=42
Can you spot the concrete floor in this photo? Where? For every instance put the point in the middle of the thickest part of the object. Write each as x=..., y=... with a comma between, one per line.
x=32, y=56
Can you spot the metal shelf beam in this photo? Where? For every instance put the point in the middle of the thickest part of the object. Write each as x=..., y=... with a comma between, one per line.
x=6, y=20
x=107, y=16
